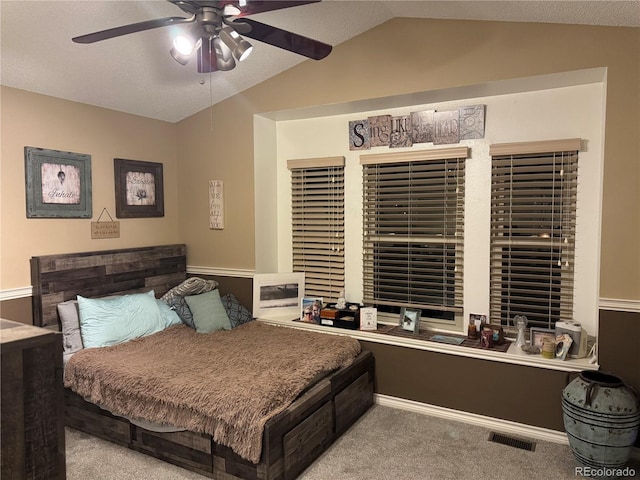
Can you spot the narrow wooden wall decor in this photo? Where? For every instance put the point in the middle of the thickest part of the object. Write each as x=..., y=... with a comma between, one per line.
x=216, y=204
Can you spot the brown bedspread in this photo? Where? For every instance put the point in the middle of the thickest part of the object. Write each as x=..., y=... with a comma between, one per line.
x=226, y=383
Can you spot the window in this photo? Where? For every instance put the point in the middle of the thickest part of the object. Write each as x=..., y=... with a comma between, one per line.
x=533, y=215
x=413, y=225
x=317, y=204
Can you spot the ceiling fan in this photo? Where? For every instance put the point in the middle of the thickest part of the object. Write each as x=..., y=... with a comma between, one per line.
x=213, y=31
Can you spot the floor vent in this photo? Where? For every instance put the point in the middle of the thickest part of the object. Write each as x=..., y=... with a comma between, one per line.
x=512, y=442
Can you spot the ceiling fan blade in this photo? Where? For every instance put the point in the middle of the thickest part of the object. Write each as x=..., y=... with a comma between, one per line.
x=239, y=26
x=258, y=6
x=206, y=57
x=132, y=28
x=293, y=42
x=187, y=6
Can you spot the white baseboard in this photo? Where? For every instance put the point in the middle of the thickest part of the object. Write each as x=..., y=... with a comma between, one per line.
x=495, y=424
x=503, y=426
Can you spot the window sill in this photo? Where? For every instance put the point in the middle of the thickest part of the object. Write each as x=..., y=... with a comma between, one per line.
x=513, y=355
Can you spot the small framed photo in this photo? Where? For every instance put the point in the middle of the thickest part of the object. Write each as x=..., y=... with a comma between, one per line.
x=311, y=307
x=538, y=334
x=58, y=184
x=139, y=189
x=410, y=319
x=563, y=344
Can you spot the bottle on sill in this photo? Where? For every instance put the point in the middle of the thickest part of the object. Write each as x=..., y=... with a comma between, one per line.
x=472, y=332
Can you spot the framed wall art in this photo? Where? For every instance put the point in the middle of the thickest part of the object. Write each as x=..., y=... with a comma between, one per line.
x=58, y=184
x=139, y=189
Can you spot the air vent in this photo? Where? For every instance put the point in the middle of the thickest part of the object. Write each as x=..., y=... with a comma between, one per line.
x=512, y=442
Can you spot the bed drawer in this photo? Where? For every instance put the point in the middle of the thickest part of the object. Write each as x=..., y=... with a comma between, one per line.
x=307, y=440
x=193, y=449
x=93, y=420
x=353, y=401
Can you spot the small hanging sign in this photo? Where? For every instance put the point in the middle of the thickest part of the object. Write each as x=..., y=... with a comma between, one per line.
x=105, y=229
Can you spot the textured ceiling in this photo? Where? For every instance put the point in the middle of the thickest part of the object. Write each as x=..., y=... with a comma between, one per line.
x=135, y=73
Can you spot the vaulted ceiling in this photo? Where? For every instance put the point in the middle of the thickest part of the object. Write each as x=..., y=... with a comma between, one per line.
x=136, y=74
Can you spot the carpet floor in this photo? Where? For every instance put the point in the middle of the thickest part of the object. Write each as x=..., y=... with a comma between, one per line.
x=385, y=443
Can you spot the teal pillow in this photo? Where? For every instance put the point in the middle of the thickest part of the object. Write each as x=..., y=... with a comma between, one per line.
x=105, y=322
x=208, y=312
x=169, y=316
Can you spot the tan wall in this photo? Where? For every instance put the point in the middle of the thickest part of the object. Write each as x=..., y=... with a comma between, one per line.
x=400, y=56
x=409, y=55
x=46, y=122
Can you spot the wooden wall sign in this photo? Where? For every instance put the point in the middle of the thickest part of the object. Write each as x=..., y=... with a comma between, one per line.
x=216, y=205
x=426, y=126
x=105, y=229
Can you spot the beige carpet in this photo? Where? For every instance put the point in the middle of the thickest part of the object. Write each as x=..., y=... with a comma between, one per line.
x=384, y=444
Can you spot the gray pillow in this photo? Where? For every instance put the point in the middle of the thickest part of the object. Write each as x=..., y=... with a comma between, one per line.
x=70, y=321
x=236, y=312
x=191, y=286
x=208, y=312
x=179, y=305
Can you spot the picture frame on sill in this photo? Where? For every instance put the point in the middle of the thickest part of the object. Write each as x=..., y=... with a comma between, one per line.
x=310, y=310
x=368, y=318
x=410, y=319
x=278, y=295
x=139, y=188
x=57, y=184
x=537, y=335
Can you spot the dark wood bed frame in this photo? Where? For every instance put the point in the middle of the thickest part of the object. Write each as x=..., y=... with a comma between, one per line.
x=292, y=440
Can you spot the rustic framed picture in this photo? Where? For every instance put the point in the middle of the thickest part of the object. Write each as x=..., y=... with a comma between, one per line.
x=58, y=184
x=139, y=188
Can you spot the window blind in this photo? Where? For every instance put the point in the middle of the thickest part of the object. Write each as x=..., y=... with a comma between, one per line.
x=317, y=204
x=413, y=225
x=533, y=216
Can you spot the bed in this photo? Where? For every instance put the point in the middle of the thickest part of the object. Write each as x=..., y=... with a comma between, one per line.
x=290, y=439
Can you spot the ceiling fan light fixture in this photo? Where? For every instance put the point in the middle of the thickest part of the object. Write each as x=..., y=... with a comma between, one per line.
x=238, y=45
x=183, y=44
x=224, y=58
x=231, y=10
x=182, y=49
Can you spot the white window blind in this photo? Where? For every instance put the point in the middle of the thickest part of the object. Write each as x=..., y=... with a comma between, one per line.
x=413, y=225
x=317, y=203
x=533, y=215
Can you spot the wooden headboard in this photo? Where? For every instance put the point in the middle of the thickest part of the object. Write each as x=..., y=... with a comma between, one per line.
x=57, y=278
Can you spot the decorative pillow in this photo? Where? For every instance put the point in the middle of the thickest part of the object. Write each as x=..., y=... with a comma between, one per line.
x=105, y=322
x=169, y=316
x=191, y=286
x=208, y=312
x=179, y=305
x=70, y=321
x=236, y=312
